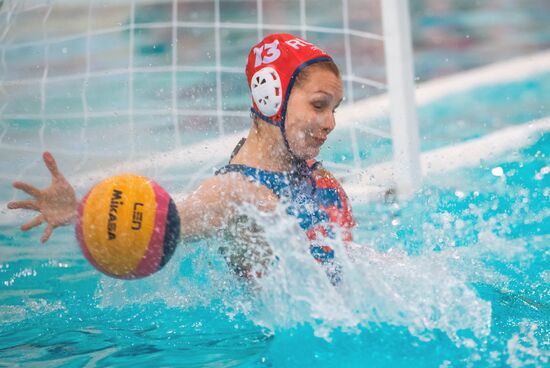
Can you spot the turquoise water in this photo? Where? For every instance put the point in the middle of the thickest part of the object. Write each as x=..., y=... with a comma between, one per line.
x=455, y=118
x=468, y=261
x=493, y=237
x=456, y=276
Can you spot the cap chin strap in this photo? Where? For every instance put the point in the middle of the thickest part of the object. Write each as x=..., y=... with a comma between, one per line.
x=293, y=157
x=299, y=168
x=281, y=126
x=299, y=171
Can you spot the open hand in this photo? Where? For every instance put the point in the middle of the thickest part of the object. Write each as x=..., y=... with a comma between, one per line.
x=57, y=204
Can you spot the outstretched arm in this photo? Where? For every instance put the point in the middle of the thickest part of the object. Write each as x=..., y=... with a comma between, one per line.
x=215, y=209
x=215, y=203
x=208, y=211
x=56, y=205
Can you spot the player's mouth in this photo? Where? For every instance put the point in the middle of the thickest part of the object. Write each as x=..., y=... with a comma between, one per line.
x=319, y=140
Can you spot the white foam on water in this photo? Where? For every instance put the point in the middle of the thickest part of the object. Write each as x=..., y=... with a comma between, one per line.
x=524, y=350
x=424, y=293
x=32, y=307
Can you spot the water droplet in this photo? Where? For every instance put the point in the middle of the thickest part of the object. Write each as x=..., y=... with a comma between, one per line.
x=497, y=171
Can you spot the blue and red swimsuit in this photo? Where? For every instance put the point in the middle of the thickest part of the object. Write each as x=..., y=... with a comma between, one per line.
x=316, y=198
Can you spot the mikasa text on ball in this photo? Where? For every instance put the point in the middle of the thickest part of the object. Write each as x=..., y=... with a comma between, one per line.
x=128, y=226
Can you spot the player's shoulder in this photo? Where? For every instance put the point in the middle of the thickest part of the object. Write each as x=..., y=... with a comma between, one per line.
x=238, y=187
x=230, y=183
x=319, y=171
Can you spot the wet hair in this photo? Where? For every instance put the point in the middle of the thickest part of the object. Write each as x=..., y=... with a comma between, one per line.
x=328, y=65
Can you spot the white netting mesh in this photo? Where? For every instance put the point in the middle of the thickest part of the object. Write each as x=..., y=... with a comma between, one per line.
x=157, y=87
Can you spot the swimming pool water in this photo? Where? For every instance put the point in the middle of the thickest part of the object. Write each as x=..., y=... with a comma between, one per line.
x=456, y=276
x=487, y=233
x=453, y=118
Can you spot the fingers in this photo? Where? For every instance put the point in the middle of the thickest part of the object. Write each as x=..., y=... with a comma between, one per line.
x=27, y=205
x=33, y=223
x=27, y=188
x=46, y=235
x=51, y=165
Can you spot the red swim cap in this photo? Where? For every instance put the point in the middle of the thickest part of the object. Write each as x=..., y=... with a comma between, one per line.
x=271, y=70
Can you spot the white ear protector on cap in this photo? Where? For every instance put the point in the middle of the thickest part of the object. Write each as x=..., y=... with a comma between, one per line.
x=267, y=93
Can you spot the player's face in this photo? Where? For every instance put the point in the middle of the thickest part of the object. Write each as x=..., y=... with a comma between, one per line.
x=310, y=111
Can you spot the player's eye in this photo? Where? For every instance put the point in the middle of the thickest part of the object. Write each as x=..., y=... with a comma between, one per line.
x=318, y=105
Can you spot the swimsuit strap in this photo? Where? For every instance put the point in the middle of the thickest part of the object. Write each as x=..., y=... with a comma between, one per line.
x=237, y=148
x=277, y=182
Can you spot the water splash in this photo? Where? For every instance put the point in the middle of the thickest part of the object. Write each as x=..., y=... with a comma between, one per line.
x=467, y=252
x=422, y=293
x=524, y=350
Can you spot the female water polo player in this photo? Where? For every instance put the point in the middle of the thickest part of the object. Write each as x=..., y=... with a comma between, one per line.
x=295, y=89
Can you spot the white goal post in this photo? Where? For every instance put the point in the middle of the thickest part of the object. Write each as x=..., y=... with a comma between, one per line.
x=400, y=80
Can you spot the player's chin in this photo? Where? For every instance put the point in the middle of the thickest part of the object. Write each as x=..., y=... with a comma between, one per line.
x=309, y=153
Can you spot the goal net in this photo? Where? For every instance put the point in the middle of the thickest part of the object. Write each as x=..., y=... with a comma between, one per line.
x=158, y=87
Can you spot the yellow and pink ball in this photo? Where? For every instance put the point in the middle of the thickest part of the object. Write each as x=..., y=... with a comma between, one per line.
x=128, y=226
